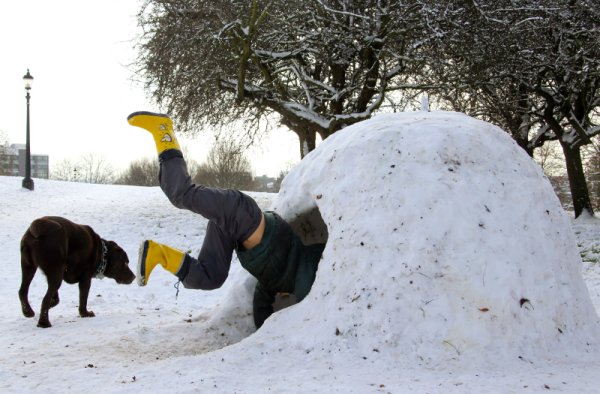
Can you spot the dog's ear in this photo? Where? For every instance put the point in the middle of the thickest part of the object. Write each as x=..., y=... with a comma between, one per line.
x=112, y=245
x=116, y=252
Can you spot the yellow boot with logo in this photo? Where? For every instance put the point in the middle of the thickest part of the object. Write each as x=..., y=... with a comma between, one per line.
x=152, y=254
x=159, y=125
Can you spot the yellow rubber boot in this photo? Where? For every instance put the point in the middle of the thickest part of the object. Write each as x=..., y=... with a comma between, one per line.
x=159, y=125
x=152, y=254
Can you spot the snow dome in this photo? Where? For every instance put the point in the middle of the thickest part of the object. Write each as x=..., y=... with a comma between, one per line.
x=444, y=242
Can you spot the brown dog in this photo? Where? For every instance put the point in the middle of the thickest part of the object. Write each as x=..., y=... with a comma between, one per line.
x=67, y=251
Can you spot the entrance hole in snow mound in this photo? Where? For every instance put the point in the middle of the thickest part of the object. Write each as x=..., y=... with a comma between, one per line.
x=309, y=226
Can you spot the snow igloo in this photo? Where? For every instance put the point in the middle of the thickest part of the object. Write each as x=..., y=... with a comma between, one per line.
x=444, y=242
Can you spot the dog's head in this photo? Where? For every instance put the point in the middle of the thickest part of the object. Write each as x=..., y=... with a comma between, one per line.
x=117, y=266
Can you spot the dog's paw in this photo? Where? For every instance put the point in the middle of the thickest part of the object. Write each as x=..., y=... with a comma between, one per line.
x=28, y=312
x=87, y=314
x=44, y=324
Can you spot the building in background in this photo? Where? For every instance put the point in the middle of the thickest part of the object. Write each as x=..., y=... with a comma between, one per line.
x=12, y=162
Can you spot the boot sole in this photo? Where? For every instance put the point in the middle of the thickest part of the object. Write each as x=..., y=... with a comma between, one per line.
x=141, y=267
x=146, y=113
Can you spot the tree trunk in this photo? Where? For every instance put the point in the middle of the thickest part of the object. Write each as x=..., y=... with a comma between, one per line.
x=579, y=190
x=524, y=120
x=307, y=141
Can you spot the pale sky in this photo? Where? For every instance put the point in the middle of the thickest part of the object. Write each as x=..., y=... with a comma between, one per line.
x=77, y=52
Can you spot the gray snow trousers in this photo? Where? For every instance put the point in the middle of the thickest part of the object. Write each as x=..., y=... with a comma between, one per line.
x=232, y=218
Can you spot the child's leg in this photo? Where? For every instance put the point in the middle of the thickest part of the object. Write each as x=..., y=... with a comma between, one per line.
x=207, y=272
x=235, y=213
x=211, y=268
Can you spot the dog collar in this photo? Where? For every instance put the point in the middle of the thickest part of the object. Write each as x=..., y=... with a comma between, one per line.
x=101, y=267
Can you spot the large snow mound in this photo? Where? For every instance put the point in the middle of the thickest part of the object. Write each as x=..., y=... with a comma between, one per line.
x=444, y=242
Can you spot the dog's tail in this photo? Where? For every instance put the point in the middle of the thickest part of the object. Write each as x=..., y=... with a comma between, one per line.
x=43, y=226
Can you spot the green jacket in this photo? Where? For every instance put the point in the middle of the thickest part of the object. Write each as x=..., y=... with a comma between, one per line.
x=281, y=263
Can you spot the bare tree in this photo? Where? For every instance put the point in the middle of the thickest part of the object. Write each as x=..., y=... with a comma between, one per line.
x=65, y=170
x=591, y=155
x=94, y=168
x=89, y=168
x=319, y=65
x=143, y=172
x=3, y=151
x=525, y=65
x=3, y=141
x=226, y=167
x=549, y=157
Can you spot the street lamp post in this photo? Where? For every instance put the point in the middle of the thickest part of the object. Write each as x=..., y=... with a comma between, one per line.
x=27, y=181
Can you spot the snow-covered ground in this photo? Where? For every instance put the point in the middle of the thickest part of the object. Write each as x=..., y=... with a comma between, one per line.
x=449, y=268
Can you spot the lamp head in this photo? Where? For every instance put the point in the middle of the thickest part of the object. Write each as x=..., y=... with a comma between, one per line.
x=28, y=80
